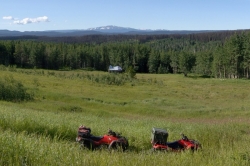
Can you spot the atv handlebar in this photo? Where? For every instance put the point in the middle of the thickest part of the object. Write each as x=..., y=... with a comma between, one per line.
x=184, y=137
x=110, y=132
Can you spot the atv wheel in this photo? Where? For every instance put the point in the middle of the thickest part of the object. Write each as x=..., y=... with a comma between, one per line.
x=85, y=144
x=117, y=146
x=153, y=150
x=103, y=147
x=124, y=146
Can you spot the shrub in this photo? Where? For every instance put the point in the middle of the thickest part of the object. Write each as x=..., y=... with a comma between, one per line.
x=2, y=68
x=131, y=72
x=12, y=68
x=70, y=109
x=13, y=90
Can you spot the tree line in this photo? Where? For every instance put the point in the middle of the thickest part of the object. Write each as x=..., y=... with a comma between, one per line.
x=213, y=55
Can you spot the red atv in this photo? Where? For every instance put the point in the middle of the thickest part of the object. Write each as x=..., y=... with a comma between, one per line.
x=159, y=142
x=111, y=140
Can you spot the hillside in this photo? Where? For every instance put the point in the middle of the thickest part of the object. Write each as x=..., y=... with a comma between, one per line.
x=42, y=131
x=114, y=34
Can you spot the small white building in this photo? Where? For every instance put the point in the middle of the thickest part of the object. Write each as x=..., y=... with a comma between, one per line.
x=115, y=69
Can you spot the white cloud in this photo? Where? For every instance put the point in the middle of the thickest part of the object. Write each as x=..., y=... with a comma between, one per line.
x=32, y=20
x=8, y=18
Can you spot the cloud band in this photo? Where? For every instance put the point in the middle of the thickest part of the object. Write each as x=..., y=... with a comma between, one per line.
x=27, y=20
x=8, y=18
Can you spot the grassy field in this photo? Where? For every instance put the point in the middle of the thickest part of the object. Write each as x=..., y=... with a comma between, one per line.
x=42, y=131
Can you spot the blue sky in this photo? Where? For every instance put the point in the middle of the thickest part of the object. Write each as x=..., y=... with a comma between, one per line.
x=39, y=15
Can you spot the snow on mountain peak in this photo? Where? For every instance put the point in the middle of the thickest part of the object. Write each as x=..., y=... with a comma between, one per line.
x=109, y=27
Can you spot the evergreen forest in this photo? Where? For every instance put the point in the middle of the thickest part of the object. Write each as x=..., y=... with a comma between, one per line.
x=223, y=54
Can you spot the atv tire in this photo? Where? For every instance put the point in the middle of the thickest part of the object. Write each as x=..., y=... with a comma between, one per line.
x=86, y=144
x=117, y=146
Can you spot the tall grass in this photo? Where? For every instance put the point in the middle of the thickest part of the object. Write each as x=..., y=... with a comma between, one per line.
x=43, y=131
x=13, y=90
x=49, y=136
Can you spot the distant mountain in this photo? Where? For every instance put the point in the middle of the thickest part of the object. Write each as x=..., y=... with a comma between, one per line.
x=54, y=33
x=112, y=29
x=103, y=30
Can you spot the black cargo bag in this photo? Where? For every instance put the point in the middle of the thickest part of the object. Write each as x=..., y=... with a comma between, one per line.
x=84, y=132
x=159, y=136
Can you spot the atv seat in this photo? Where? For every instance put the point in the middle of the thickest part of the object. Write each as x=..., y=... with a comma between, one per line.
x=173, y=145
x=95, y=138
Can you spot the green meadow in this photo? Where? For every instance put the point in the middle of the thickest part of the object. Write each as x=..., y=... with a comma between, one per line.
x=41, y=129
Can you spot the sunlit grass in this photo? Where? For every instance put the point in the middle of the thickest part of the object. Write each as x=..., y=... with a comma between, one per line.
x=43, y=131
